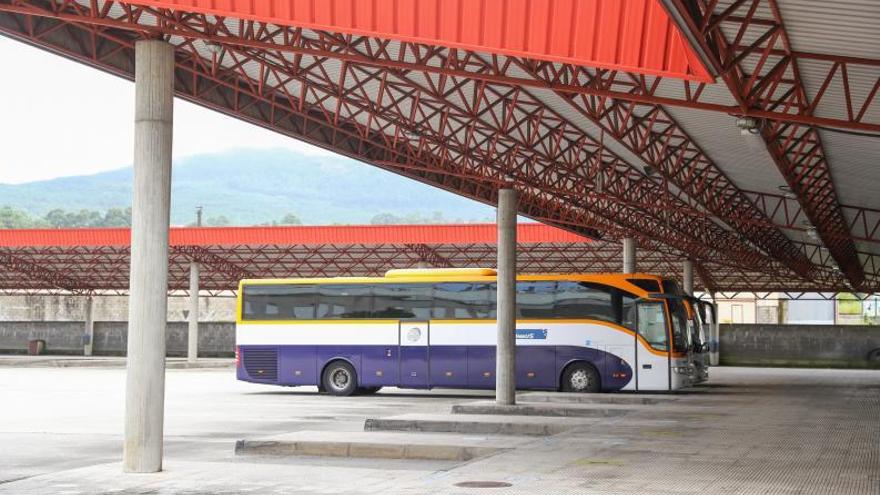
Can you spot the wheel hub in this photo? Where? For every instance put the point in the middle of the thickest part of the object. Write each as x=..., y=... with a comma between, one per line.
x=580, y=380
x=340, y=379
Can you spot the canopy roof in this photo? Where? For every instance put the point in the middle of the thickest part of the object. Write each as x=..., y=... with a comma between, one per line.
x=768, y=170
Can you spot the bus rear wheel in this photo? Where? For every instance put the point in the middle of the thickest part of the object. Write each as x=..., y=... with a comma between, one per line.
x=339, y=378
x=581, y=377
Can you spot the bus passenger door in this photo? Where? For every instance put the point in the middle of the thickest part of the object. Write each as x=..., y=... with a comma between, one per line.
x=414, y=363
x=652, y=345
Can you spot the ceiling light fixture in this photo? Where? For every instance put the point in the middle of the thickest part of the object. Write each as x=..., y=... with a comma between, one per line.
x=411, y=135
x=787, y=192
x=747, y=125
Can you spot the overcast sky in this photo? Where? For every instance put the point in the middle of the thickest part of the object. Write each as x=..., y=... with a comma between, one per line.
x=61, y=118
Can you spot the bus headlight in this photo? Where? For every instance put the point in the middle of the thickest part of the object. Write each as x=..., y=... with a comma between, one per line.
x=683, y=370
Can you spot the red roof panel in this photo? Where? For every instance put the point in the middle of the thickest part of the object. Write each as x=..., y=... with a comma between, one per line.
x=529, y=233
x=630, y=35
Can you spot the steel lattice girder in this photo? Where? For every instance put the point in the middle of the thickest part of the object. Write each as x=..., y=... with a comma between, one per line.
x=786, y=212
x=104, y=269
x=764, y=75
x=331, y=113
x=476, y=149
x=652, y=90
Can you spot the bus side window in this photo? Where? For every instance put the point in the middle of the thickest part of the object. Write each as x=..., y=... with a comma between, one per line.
x=279, y=302
x=403, y=301
x=585, y=300
x=535, y=299
x=344, y=301
x=461, y=300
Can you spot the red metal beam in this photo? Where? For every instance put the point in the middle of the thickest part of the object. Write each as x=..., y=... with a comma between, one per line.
x=495, y=133
x=101, y=269
x=760, y=80
x=460, y=133
x=567, y=78
x=863, y=224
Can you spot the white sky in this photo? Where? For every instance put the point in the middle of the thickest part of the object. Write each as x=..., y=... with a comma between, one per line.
x=61, y=118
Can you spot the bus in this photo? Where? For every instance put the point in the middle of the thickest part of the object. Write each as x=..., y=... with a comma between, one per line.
x=436, y=328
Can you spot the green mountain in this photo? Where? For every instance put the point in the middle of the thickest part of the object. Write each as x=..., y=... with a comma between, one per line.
x=256, y=186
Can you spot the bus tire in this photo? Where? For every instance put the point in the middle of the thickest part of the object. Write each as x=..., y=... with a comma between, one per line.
x=581, y=377
x=874, y=356
x=339, y=378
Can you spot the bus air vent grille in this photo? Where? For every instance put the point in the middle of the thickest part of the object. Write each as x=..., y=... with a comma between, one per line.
x=261, y=363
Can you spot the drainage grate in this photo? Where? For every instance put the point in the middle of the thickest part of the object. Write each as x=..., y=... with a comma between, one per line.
x=261, y=364
x=483, y=484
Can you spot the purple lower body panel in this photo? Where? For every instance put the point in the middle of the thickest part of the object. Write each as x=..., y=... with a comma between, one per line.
x=537, y=367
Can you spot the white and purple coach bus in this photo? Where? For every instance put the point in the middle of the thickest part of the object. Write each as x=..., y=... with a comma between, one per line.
x=436, y=328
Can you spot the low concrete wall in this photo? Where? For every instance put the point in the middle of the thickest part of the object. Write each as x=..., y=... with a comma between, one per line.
x=64, y=337
x=830, y=346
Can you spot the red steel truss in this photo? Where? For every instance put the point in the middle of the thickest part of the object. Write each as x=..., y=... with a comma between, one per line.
x=81, y=261
x=586, y=79
x=760, y=68
x=470, y=122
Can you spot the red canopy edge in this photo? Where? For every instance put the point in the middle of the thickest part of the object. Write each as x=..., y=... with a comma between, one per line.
x=528, y=233
x=629, y=35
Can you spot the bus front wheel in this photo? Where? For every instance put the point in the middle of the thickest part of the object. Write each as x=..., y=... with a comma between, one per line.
x=580, y=377
x=339, y=378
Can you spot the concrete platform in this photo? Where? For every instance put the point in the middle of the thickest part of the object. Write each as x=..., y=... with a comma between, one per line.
x=550, y=409
x=478, y=424
x=384, y=445
x=601, y=398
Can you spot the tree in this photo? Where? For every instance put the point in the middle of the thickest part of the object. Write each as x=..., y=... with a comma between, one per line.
x=83, y=218
x=386, y=219
x=56, y=217
x=218, y=221
x=290, y=219
x=117, y=217
x=11, y=218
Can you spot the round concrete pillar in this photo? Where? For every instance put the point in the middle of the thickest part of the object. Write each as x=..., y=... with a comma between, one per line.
x=505, y=351
x=629, y=255
x=192, y=348
x=688, y=277
x=148, y=292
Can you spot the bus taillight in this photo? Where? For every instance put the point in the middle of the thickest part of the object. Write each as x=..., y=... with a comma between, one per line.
x=237, y=356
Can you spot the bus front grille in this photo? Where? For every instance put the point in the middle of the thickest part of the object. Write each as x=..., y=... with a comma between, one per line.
x=261, y=363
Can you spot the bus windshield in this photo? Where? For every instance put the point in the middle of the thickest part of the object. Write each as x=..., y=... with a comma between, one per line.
x=680, y=332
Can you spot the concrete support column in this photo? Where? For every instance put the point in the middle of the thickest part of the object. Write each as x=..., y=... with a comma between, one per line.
x=715, y=337
x=148, y=292
x=688, y=276
x=629, y=255
x=192, y=348
x=89, y=331
x=505, y=352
